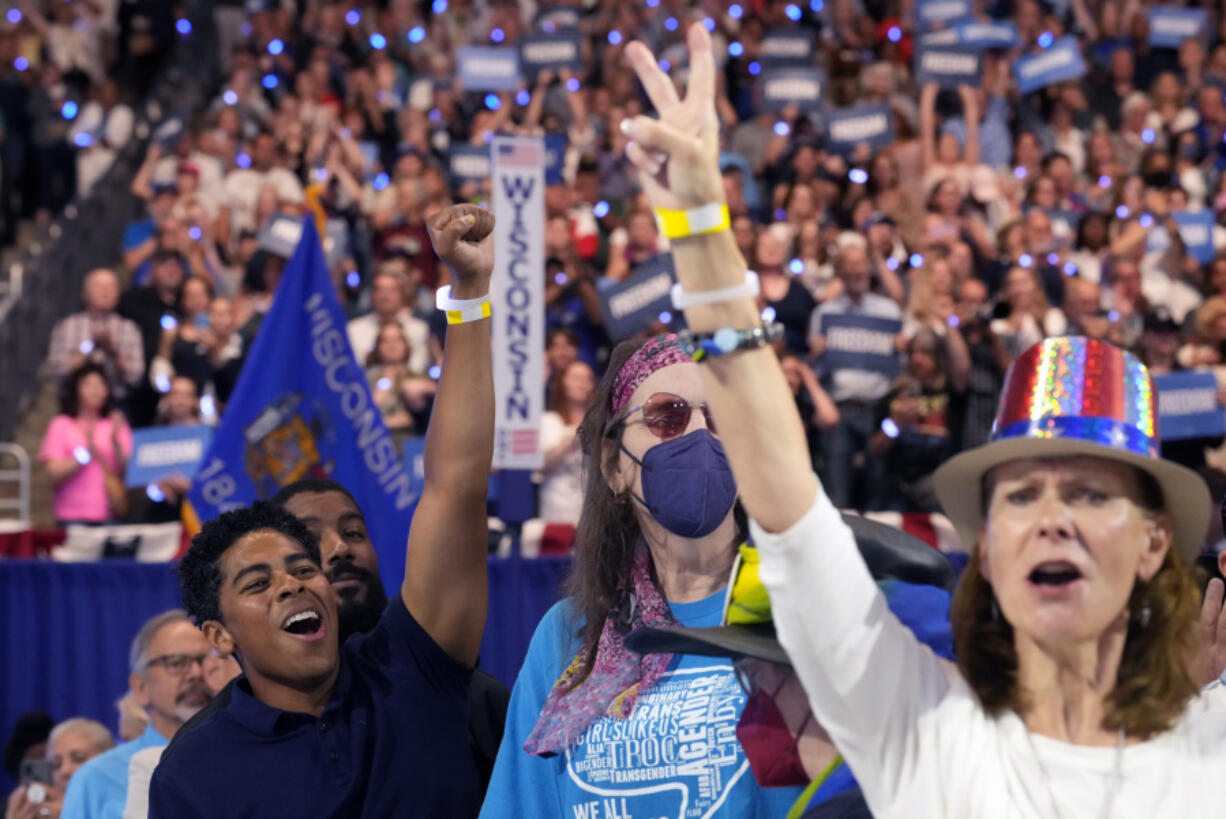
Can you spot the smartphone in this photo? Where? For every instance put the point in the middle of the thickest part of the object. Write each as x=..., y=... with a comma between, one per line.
x=36, y=770
x=202, y=321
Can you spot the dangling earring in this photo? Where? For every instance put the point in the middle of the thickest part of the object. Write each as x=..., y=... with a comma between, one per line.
x=1143, y=615
x=995, y=610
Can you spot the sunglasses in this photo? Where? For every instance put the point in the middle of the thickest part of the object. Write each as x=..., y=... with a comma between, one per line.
x=667, y=416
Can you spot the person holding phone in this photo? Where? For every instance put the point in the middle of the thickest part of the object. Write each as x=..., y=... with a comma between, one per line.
x=44, y=780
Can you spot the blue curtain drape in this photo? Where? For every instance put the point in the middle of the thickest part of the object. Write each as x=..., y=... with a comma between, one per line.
x=65, y=629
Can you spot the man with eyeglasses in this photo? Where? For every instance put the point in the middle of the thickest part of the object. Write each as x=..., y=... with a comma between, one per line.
x=168, y=660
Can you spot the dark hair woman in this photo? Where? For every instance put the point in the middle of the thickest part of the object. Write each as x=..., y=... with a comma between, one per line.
x=85, y=450
x=655, y=544
x=1075, y=621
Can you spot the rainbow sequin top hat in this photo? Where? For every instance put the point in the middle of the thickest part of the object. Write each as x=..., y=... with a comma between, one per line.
x=1076, y=396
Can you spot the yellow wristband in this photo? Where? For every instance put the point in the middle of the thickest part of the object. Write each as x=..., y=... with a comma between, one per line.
x=680, y=224
x=461, y=311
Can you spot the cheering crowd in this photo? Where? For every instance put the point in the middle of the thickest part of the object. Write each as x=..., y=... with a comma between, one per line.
x=1029, y=253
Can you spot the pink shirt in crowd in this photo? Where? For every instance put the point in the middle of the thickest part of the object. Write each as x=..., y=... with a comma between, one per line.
x=83, y=496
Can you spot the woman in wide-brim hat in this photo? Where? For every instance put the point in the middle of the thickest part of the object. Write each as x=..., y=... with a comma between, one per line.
x=1073, y=623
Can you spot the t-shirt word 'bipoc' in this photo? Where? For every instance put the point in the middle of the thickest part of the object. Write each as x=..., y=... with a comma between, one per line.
x=675, y=757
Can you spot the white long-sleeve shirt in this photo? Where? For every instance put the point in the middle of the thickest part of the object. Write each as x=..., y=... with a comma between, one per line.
x=913, y=732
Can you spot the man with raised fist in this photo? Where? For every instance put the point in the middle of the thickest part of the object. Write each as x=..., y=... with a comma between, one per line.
x=377, y=726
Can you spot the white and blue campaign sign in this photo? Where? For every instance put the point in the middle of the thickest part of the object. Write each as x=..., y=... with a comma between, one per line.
x=992, y=34
x=1169, y=26
x=519, y=300
x=469, y=163
x=973, y=34
x=161, y=451
x=555, y=158
x=949, y=67
x=302, y=409
x=1058, y=62
x=934, y=13
x=847, y=128
x=631, y=306
x=785, y=46
x=488, y=68
x=558, y=17
x=1188, y=406
x=549, y=52
x=860, y=343
x=802, y=87
x=1196, y=230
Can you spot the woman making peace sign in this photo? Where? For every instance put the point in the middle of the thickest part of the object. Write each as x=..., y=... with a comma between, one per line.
x=1074, y=620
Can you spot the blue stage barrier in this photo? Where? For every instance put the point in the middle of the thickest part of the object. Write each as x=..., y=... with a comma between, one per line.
x=65, y=629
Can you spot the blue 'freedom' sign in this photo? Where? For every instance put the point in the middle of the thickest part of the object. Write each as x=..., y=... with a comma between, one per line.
x=933, y=13
x=631, y=306
x=488, y=68
x=847, y=128
x=1169, y=26
x=949, y=67
x=1058, y=62
x=1188, y=406
x=786, y=47
x=802, y=87
x=860, y=343
x=158, y=452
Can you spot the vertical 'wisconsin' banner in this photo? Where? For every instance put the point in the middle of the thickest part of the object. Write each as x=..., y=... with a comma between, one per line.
x=302, y=408
x=519, y=300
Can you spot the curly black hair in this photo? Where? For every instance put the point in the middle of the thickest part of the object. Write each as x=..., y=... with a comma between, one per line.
x=200, y=569
x=70, y=397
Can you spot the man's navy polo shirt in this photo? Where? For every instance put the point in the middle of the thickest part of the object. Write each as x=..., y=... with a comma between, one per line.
x=392, y=741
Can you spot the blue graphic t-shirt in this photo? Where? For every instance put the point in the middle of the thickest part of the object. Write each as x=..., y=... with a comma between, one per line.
x=675, y=757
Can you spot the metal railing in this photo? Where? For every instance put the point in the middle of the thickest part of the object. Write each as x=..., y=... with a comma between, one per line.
x=44, y=284
x=19, y=500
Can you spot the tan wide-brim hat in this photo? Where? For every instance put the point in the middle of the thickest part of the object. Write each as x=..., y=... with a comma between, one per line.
x=1072, y=396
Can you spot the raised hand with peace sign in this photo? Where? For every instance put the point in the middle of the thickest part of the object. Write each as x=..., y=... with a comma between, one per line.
x=677, y=155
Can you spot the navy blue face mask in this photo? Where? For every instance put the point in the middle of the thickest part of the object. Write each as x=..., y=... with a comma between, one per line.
x=687, y=484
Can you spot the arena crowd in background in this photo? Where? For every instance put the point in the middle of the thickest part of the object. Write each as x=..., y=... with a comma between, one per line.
x=989, y=220
x=993, y=218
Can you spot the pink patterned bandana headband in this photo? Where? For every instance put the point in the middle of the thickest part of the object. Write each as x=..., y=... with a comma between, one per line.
x=661, y=351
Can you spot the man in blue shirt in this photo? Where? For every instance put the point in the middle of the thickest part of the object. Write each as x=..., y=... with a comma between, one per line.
x=167, y=661
x=376, y=727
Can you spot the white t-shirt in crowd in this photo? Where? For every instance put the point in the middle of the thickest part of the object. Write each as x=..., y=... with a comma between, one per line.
x=913, y=732
x=561, y=487
x=363, y=331
x=243, y=186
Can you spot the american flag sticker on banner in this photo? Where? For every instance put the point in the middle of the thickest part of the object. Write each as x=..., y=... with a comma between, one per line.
x=519, y=154
x=522, y=441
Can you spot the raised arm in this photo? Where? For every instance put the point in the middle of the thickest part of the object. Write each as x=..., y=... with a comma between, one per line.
x=928, y=125
x=970, y=116
x=445, y=586
x=866, y=675
x=769, y=455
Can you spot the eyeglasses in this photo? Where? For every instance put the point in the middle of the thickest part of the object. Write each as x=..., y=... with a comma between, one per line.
x=667, y=416
x=176, y=665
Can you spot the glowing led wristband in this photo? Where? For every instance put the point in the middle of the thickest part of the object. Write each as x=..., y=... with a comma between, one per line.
x=681, y=224
x=748, y=290
x=462, y=311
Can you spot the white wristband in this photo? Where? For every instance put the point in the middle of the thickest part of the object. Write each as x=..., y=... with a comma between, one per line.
x=683, y=300
x=461, y=311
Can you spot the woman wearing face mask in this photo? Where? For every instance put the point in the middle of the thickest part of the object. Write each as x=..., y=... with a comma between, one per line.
x=591, y=722
x=1074, y=621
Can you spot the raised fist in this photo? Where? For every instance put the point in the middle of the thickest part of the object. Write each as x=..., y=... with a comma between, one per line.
x=463, y=237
